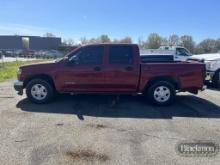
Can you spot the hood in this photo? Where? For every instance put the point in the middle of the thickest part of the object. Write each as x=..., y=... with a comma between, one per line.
x=38, y=65
x=207, y=57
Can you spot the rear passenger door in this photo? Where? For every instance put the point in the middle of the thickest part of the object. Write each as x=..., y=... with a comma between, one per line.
x=122, y=70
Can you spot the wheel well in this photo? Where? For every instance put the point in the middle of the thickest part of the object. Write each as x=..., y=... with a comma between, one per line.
x=169, y=79
x=40, y=76
x=215, y=78
x=216, y=72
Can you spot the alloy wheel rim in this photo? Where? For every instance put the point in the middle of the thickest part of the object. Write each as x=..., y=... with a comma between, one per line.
x=162, y=94
x=39, y=92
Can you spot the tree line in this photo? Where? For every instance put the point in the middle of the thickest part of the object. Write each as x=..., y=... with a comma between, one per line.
x=101, y=39
x=154, y=41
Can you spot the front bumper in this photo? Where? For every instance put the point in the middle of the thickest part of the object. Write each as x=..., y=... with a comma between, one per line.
x=19, y=86
x=209, y=75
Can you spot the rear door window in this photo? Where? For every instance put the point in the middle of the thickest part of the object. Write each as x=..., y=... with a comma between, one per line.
x=120, y=55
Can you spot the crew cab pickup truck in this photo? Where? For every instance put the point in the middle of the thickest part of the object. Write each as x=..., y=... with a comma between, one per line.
x=110, y=69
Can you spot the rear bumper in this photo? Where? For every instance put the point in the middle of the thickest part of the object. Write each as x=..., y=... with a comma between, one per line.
x=19, y=86
x=204, y=88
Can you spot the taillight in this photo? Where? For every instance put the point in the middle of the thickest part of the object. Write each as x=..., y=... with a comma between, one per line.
x=204, y=72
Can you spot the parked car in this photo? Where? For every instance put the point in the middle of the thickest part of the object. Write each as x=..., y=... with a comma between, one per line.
x=212, y=62
x=48, y=54
x=110, y=69
x=8, y=53
x=18, y=52
x=178, y=53
x=54, y=54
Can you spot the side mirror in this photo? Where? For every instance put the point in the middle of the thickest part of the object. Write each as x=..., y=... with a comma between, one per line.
x=69, y=62
x=72, y=61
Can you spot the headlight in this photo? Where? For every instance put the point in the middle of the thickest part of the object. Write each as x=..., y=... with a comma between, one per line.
x=213, y=65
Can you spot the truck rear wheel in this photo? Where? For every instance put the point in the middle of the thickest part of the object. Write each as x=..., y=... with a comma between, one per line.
x=39, y=91
x=161, y=93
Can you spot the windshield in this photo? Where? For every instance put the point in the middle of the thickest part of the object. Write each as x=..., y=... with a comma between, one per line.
x=183, y=52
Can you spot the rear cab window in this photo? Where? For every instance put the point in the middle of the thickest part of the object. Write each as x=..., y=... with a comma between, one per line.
x=121, y=55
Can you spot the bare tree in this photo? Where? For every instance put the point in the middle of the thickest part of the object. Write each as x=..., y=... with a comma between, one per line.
x=187, y=42
x=142, y=44
x=104, y=39
x=164, y=41
x=198, y=49
x=154, y=41
x=115, y=41
x=217, y=45
x=84, y=40
x=173, y=40
x=207, y=46
x=93, y=41
x=126, y=40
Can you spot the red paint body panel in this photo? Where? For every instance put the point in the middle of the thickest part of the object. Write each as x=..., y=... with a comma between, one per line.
x=115, y=78
x=118, y=79
x=189, y=76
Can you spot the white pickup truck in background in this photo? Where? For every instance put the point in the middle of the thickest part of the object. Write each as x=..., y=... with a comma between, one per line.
x=212, y=67
x=182, y=54
x=178, y=53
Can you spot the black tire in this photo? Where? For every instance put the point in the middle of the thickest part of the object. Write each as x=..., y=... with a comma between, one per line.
x=47, y=86
x=170, y=93
x=216, y=79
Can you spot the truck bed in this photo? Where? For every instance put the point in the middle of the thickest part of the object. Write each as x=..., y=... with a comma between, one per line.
x=189, y=75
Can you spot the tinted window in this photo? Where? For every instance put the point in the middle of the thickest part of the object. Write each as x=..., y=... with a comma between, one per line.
x=89, y=55
x=120, y=55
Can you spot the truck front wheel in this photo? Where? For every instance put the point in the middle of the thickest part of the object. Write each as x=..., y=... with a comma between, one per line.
x=39, y=91
x=161, y=93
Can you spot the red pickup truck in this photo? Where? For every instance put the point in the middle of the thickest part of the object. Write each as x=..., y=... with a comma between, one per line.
x=110, y=69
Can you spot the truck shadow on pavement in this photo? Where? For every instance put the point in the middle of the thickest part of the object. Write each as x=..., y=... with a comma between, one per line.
x=127, y=107
x=212, y=87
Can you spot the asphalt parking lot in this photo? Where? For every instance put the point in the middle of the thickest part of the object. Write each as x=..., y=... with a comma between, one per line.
x=90, y=130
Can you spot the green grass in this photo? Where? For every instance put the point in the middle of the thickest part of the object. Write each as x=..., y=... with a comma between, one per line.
x=8, y=70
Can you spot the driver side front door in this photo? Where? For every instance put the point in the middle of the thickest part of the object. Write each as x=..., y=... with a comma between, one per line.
x=85, y=72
